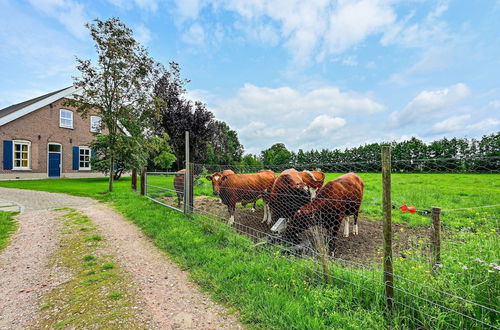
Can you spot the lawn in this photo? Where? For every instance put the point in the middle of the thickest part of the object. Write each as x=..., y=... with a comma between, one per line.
x=271, y=290
x=7, y=227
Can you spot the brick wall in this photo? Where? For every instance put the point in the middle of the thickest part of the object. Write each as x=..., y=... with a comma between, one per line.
x=41, y=127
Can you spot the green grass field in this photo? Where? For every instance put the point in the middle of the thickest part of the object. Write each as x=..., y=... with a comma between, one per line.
x=447, y=191
x=271, y=290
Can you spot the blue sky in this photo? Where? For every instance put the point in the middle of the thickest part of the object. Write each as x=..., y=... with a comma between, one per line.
x=312, y=74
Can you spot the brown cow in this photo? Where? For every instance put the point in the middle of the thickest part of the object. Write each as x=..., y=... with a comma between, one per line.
x=288, y=193
x=179, y=186
x=336, y=200
x=314, y=180
x=216, y=179
x=236, y=188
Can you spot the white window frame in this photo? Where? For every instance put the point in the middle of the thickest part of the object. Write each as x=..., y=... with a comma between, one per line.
x=21, y=168
x=61, y=118
x=81, y=168
x=95, y=129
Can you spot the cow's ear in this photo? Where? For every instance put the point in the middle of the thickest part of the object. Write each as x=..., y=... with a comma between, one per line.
x=208, y=177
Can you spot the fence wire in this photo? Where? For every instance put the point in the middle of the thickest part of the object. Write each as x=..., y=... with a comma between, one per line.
x=328, y=214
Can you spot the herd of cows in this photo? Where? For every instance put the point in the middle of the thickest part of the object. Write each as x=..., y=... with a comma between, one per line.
x=301, y=198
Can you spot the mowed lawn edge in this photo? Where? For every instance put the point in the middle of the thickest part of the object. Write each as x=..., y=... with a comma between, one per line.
x=8, y=226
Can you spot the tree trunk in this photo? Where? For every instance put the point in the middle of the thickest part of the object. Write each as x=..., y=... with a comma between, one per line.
x=111, y=170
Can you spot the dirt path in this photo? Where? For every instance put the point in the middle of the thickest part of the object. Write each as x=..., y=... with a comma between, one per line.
x=164, y=290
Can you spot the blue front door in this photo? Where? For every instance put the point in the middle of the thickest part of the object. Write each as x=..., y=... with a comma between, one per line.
x=54, y=165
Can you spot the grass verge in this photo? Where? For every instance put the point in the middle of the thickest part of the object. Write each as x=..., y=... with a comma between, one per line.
x=97, y=295
x=7, y=227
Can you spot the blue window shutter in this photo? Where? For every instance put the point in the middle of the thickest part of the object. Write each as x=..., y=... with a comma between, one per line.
x=93, y=153
x=7, y=155
x=76, y=158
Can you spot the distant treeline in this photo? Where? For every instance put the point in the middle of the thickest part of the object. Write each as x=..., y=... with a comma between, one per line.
x=444, y=155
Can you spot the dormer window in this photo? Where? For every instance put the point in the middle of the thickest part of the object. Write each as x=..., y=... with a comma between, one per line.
x=66, y=118
x=95, y=124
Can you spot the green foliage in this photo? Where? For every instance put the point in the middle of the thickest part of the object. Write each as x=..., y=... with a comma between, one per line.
x=118, y=86
x=278, y=154
x=161, y=155
x=224, y=147
x=444, y=155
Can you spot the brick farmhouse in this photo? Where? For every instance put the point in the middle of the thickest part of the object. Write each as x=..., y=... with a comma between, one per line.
x=42, y=138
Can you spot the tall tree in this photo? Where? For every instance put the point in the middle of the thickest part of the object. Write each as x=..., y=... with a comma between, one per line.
x=278, y=154
x=118, y=86
x=179, y=115
x=225, y=147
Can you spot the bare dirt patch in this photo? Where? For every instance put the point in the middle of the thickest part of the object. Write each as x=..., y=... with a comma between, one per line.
x=363, y=248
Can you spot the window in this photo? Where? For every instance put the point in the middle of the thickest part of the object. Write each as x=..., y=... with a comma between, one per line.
x=54, y=147
x=66, y=118
x=95, y=124
x=84, y=160
x=21, y=155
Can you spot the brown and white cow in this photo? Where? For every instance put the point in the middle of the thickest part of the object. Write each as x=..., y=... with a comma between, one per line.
x=314, y=180
x=335, y=201
x=288, y=193
x=216, y=180
x=179, y=186
x=236, y=188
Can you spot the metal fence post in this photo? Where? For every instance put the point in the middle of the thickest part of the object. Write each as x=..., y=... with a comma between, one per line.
x=143, y=181
x=187, y=174
x=387, y=211
x=436, y=236
x=134, y=180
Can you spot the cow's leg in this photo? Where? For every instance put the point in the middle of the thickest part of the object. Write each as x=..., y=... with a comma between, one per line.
x=253, y=206
x=231, y=207
x=179, y=200
x=332, y=233
x=269, y=215
x=346, y=227
x=264, y=218
x=355, y=229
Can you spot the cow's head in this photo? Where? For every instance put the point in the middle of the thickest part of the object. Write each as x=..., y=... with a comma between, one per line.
x=216, y=180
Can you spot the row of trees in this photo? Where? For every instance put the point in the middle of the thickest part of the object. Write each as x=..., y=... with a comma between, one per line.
x=444, y=155
x=144, y=109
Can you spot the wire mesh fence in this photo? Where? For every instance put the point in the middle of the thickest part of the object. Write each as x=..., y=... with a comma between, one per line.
x=327, y=217
x=166, y=188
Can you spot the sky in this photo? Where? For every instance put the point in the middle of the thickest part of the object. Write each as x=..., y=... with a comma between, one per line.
x=311, y=74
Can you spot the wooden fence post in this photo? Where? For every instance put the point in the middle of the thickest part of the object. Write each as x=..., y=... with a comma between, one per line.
x=187, y=175
x=143, y=181
x=387, y=211
x=436, y=236
x=134, y=180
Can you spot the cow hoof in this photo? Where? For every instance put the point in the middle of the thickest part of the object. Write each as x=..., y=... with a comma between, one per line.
x=346, y=235
x=355, y=230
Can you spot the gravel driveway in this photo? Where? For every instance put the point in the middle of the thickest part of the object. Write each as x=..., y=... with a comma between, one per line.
x=172, y=301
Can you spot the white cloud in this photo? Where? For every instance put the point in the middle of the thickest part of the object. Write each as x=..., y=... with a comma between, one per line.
x=263, y=115
x=69, y=13
x=451, y=124
x=324, y=125
x=195, y=35
x=308, y=29
x=143, y=34
x=353, y=21
x=427, y=104
x=149, y=5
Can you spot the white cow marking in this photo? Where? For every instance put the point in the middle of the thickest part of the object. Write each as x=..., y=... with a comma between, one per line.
x=346, y=228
